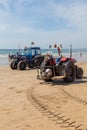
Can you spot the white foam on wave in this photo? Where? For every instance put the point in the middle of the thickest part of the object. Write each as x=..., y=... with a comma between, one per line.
x=3, y=55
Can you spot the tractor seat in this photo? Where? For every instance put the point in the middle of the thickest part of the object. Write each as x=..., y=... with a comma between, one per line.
x=58, y=60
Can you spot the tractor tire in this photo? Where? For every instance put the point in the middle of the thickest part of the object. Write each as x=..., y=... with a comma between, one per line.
x=79, y=73
x=70, y=72
x=38, y=61
x=31, y=65
x=13, y=65
x=21, y=65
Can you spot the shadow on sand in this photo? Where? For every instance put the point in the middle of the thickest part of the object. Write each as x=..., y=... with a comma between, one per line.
x=61, y=82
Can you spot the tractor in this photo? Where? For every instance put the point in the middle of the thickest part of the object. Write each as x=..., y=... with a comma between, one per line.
x=26, y=59
x=62, y=66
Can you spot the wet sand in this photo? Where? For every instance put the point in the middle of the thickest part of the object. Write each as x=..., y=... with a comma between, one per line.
x=30, y=104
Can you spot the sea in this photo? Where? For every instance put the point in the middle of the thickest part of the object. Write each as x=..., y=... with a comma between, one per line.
x=79, y=54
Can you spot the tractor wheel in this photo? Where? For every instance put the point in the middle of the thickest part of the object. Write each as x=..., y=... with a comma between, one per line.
x=38, y=60
x=79, y=73
x=21, y=65
x=13, y=65
x=31, y=65
x=70, y=72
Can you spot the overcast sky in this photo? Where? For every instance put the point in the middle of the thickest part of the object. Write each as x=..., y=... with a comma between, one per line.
x=44, y=22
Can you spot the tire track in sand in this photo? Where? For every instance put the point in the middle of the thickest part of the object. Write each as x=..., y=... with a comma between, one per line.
x=67, y=94
x=53, y=113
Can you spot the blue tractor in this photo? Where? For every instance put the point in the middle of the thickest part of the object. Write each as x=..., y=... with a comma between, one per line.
x=30, y=57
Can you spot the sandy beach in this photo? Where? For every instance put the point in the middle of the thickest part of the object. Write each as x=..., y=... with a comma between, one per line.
x=30, y=104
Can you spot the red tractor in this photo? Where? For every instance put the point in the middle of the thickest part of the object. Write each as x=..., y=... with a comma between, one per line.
x=62, y=66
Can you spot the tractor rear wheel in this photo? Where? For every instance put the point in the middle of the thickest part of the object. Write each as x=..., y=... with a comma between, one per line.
x=21, y=65
x=70, y=72
x=38, y=60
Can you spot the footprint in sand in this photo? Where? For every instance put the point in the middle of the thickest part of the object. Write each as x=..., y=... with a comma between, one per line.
x=19, y=91
x=11, y=88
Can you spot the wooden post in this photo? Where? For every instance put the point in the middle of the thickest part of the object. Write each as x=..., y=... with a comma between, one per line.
x=50, y=49
x=70, y=51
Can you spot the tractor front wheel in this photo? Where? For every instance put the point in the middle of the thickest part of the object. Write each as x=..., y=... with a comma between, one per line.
x=13, y=65
x=79, y=73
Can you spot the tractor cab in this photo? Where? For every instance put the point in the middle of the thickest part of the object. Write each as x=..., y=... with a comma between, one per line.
x=31, y=52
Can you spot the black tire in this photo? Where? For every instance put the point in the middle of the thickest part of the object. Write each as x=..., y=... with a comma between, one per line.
x=21, y=65
x=70, y=72
x=13, y=65
x=31, y=64
x=79, y=73
x=38, y=60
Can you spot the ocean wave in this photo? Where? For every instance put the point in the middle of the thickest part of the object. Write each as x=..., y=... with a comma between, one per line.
x=79, y=56
x=3, y=55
